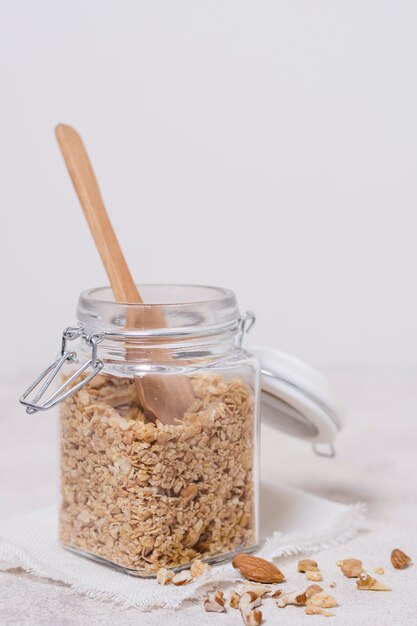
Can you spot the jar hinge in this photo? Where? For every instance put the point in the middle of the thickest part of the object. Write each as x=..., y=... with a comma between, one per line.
x=43, y=382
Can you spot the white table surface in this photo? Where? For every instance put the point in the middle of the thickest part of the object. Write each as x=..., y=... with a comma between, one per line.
x=376, y=463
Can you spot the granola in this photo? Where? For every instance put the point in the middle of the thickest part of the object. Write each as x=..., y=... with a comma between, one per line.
x=146, y=495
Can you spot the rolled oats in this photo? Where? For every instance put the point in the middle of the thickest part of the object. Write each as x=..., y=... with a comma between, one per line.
x=147, y=495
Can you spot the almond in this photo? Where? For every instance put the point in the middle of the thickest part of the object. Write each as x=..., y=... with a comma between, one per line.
x=399, y=559
x=257, y=569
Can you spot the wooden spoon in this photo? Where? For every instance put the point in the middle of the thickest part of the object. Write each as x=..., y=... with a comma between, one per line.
x=166, y=397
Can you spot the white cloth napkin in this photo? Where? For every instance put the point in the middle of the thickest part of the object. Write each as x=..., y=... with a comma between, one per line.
x=306, y=524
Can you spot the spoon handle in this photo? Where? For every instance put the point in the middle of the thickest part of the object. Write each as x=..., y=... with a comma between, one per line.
x=86, y=186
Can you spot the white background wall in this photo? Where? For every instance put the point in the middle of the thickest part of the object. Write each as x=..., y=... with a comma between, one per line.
x=266, y=146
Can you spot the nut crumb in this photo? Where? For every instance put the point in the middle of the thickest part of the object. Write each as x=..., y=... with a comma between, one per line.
x=317, y=610
x=198, y=568
x=214, y=602
x=314, y=576
x=307, y=565
x=313, y=589
x=365, y=581
x=234, y=599
x=322, y=600
x=182, y=578
x=164, y=576
x=257, y=588
x=251, y=618
x=249, y=600
x=351, y=568
x=297, y=598
x=379, y=570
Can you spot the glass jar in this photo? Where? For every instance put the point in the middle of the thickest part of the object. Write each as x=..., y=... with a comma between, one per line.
x=136, y=492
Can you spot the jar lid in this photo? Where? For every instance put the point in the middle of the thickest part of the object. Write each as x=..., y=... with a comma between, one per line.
x=296, y=399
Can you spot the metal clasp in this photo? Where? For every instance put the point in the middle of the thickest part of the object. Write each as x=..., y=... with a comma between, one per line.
x=245, y=324
x=43, y=382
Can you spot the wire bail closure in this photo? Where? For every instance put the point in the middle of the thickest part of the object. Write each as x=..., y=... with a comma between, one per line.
x=32, y=398
x=246, y=321
x=41, y=384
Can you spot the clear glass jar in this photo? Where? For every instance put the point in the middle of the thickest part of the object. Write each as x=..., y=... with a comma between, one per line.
x=141, y=494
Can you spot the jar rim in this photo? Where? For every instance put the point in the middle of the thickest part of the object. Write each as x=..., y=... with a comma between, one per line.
x=185, y=309
x=223, y=293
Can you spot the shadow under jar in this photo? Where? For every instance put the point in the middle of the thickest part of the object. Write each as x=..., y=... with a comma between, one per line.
x=141, y=494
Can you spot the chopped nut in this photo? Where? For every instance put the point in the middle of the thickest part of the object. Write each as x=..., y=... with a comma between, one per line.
x=365, y=581
x=277, y=593
x=312, y=589
x=307, y=565
x=352, y=568
x=314, y=576
x=297, y=598
x=399, y=559
x=249, y=600
x=164, y=576
x=234, y=599
x=251, y=618
x=317, y=610
x=379, y=570
x=332, y=585
x=198, y=568
x=257, y=588
x=323, y=600
x=214, y=602
x=257, y=569
x=182, y=578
